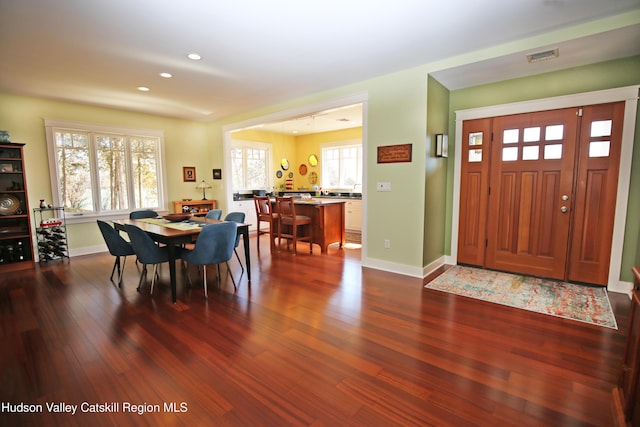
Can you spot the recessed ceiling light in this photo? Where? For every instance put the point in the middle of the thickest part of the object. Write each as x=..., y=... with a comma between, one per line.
x=166, y=75
x=194, y=56
x=143, y=88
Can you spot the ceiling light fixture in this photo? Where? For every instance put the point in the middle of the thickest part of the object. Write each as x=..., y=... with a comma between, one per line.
x=143, y=89
x=194, y=57
x=166, y=75
x=543, y=56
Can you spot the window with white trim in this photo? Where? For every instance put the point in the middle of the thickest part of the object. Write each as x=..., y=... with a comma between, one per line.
x=102, y=170
x=342, y=165
x=251, y=166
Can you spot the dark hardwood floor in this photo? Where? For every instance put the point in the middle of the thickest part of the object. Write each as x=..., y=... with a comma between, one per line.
x=315, y=340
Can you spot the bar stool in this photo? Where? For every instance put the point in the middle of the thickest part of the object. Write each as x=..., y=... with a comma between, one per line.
x=264, y=213
x=287, y=218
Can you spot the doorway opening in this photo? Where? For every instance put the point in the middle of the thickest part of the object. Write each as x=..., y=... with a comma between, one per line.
x=296, y=139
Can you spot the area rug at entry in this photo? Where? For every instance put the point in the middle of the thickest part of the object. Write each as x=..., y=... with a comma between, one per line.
x=577, y=302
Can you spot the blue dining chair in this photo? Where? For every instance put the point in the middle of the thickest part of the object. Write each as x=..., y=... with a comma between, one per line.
x=118, y=247
x=214, y=245
x=144, y=213
x=147, y=252
x=214, y=214
x=239, y=218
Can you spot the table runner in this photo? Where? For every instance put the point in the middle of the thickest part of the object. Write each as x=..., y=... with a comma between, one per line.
x=169, y=224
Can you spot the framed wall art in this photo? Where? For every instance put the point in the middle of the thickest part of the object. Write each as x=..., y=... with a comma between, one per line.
x=188, y=174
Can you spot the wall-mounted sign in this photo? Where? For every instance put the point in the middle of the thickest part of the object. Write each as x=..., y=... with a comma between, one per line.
x=394, y=153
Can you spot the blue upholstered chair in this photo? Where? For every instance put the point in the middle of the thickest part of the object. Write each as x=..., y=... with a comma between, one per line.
x=147, y=252
x=239, y=218
x=118, y=247
x=144, y=213
x=214, y=245
x=214, y=214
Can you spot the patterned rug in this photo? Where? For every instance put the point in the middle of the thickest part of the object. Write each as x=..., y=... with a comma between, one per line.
x=577, y=302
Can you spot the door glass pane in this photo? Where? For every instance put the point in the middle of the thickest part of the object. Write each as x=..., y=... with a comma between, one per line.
x=601, y=128
x=475, y=155
x=554, y=133
x=531, y=134
x=475, y=138
x=553, y=151
x=510, y=136
x=531, y=152
x=599, y=148
x=509, y=154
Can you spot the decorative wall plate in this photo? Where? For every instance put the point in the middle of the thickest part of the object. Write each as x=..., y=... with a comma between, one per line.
x=9, y=204
x=279, y=174
x=290, y=175
x=313, y=178
x=284, y=164
x=302, y=169
x=313, y=160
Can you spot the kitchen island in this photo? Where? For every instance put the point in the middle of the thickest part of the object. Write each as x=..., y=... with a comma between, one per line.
x=327, y=220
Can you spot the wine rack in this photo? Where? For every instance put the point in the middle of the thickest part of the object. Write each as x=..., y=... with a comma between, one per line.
x=51, y=232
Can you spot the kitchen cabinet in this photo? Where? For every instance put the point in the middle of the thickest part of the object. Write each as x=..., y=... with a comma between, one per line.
x=196, y=207
x=16, y=245
x=353, y=215
x=249, y=209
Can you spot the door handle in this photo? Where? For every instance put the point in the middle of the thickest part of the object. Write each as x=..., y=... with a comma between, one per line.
x=564, y=209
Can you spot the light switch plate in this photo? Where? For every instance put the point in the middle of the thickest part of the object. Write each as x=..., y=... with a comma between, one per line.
x=383, y=186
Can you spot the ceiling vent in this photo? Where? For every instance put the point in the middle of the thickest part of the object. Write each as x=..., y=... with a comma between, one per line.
x=543, y=56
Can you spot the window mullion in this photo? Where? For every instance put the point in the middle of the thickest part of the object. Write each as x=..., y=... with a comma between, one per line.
x=131, y=195
x=95, y=172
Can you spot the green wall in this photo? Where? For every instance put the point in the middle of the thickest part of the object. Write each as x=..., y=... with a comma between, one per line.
x=605, y=75
x=435, y=178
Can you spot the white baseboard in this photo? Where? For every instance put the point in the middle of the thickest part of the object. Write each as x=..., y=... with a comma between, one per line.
x=392, y=267
x=620, y=287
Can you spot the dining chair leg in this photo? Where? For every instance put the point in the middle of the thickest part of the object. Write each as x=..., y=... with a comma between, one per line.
x=116, y=263
x=121, y=271
x=204, y=281
x=153, y=280
x=230, y=274
x=239, y=261
x=143, y=274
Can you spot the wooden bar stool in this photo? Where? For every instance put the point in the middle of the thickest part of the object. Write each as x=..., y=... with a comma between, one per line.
x=264, y=213
x=289, y=221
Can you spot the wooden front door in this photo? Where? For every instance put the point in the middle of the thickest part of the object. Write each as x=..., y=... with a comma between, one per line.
x=538, y=193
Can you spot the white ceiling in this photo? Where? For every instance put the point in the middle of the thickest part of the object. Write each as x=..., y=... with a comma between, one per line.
x=257, y=53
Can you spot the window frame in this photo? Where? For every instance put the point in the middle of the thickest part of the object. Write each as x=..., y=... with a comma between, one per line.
x=92, y=129
x=342, y=144
x=256, y=145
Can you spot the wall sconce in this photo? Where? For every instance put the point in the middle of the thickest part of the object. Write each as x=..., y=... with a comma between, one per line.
x=442, y=145
x=203, y=186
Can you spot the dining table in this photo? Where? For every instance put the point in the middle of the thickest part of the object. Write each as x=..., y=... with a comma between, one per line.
x=176, y=234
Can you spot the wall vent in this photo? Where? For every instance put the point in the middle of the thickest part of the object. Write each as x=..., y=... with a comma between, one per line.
x=543, y=56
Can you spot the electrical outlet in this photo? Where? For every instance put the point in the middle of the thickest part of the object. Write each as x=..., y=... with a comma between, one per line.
x=387, y=243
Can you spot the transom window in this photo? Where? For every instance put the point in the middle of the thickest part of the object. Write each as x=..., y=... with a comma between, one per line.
x=102, y=170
